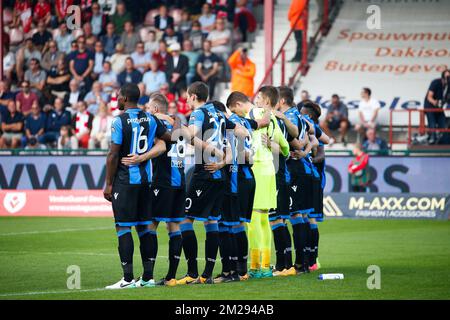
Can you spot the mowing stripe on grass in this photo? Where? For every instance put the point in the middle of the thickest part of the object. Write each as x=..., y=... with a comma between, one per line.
x=54, y=231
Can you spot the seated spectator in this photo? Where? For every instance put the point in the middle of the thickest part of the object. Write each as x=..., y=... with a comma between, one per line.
x=57, y=81
x=41, y=37
x=101, y=129
x=64, y=39
x=359, y=170
x=336, y=119
x=172, y=111
x=185, y=24
x=242, y=72
x=12, y=127
x=99, y=58
x=208, y=67
x=55, y=119
x=9, y=63
x=75, y=95
x=33, y=144
x=36, y=77
x=161, y=55
x=25, y=98
x=244, y=20
x=129, y=38
x=196, y=36
x=130, y=74
x=27, y=52
x=304, y=96
x=82, y=64
x=95, y=98
x=118, y=59
x=164, y=89
x=171, y=37
x=51, y=57
x=41, y=12
x=193, y=57
x=91, y=39
x=368, y=112
x=183, y=106
x=176, y=69
x=151, y=44
x=220, y=38
x=143, y=98
x=108, y=78
x=98, y=20
x=61, y=9
x=66, y=140
x=110, y=40
x=163, y=20
x=120, y=17
x=22, y=15
x=34, y=124
x=82, y=124
x=141, y=58
x=374, y=143
x=5, y=97
x=154, y=78
x=207, y=19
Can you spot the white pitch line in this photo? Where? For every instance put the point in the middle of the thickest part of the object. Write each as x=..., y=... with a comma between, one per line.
x=54, y=231
x=48, y=292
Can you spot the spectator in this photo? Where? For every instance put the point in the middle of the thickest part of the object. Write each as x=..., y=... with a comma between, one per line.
x=437, y=96
x=130, y=74
x=55, y=119
x=161, y=55
x=208, y=67
x=41, y=37
x=25, y=98
x=207, y=19
x=171, y=37
x=244, y=20
x=24, y=55
x=374, y=143
x=141, y=58
x=66, y=140
x=177, y=68
x=12, y=127
x=151, y=44
x=242, y=72
x=336, y=119
x=164, y=89
x=36, y=77
x=98, y=20
x=82, y=64
x=304, y=96
x=9, y=63
x=108, y=78
x=182, y=105
x=129, y=38
x=57, y=82
x=74, y=96
x=154, y=78
x=109, y=40
x=368, y=112
x=193, y=57
x=196, y=36
x=359, y=170
x=82, y=124
x=33, y=144
x=99, y=58
x=95, y=97
x=101, y=129
x=63, y=39
x=41, y=12
x=172, y=111
x=108, y=6
x=143, y=98
x=61, y=9
x=5, y=97
x=89, y=36
x=163, y=20
x=22, y=15
x=51, y=57
x=120, y=17
x=118, y=59
x=185, y=25
x=34, y=124
x=294, y=15
x=220, y=39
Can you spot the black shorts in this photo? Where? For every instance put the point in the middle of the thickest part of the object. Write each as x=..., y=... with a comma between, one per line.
x=230, y=210
x=246, y=197
x=283, y=203
x=131, y=205
x=317, y=200
x=204, y=199
x=168, y=204
x=301, y=194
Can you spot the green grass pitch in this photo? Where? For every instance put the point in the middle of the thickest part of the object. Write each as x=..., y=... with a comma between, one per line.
x=414, y=257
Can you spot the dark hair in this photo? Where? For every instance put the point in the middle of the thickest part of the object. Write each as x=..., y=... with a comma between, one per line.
x=131, y=92
x=313, y=109
x=287, y=94
x=200, y=89
x=36, y=61
x=235, y=97
x=219, y=105
x=335, y=96
x=368, y=91
x=272, y=93
x=444, y=72
x=161, y=101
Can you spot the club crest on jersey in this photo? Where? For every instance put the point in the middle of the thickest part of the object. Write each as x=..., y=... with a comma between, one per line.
x=294, y=188
x=156, y=191
x=116, y=195
x=199, y=192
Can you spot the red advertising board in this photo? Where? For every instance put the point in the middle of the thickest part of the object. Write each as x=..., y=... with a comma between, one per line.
x=54, y=203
